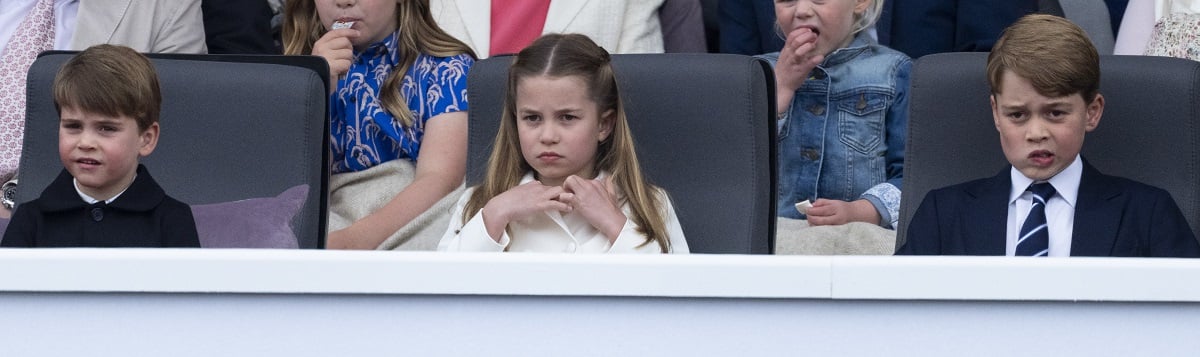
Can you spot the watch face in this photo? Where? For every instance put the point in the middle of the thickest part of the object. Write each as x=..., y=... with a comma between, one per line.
x=9, y=194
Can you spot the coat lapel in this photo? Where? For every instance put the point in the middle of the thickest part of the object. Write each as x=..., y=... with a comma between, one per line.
x=97, y=22
x=562, y=13
x=1096, y=218
x=477, y=18
x=985, y=225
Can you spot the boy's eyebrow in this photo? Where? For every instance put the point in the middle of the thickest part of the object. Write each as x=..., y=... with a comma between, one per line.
x=1055, y=103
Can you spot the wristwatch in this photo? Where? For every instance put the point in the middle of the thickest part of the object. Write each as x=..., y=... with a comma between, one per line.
x=9, y=194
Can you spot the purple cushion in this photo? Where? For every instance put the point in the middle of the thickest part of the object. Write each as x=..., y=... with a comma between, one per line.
x=251, y=223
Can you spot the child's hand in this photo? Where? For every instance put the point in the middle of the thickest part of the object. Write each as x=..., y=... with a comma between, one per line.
x=835, y=212
x=521, y=202
x=797, y=58
x=596, y=201
x=338, y=50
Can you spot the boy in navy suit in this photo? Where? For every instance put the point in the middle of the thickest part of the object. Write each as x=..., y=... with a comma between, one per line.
x=108, y=101
x=1044, y=76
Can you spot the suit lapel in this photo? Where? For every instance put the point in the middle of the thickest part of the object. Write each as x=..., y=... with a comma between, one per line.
x=97, y=21
x=477, y=18
x=1096, y=219
x=985, y=223
x=562, y=13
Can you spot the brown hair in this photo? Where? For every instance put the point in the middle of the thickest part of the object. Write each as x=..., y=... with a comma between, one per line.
x=110, y=80
x=559, y=55
x=1054, y=54
x=302, y=28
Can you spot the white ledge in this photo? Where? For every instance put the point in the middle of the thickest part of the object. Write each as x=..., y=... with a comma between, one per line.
x=703, y=276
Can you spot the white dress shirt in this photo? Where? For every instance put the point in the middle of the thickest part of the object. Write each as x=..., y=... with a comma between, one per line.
x=12, y=12
x=1060, y=208
x=93, y=200
x=557, y=232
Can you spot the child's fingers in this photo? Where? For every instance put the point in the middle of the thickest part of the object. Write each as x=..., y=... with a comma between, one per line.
x=553, y=205
x=341, y=33
x=820, y=202
x=819, y=212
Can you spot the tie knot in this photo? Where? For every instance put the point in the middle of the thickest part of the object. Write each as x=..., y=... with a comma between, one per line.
x=1043, y=190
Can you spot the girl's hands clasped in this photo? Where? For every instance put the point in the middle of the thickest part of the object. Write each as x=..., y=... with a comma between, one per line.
x=595, y=200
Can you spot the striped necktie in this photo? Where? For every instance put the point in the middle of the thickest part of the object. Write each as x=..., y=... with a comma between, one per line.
x=1034, y=240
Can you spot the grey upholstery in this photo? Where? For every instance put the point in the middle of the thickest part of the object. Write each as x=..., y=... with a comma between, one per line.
x=704, y=129
x=233, y=128
x=1092, y=16
x=1148, y=131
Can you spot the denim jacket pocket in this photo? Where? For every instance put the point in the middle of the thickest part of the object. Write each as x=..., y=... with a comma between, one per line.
x=861, y=116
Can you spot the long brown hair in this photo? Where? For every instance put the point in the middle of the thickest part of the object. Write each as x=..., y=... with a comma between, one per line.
x=561, y=55
x=302, y=27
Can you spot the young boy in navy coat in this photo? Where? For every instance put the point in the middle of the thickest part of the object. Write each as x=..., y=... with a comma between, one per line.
x=1044, y=75
x=108, y=102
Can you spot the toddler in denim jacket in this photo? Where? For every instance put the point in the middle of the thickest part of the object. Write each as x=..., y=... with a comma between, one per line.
x=842, y=104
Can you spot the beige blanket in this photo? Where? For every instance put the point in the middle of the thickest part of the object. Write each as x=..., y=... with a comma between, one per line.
x=794, y=236
x=353, y=195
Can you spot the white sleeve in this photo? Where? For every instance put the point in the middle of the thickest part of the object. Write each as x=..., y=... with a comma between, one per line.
x=641, y=30
x=631, y=241
x=674, y=230
x=472, y=236
x=1137, y=26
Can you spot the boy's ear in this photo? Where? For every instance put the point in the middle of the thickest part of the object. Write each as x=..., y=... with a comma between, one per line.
x=995, y=112
x=1095, y=109
x=606, y=124
x=149, y=140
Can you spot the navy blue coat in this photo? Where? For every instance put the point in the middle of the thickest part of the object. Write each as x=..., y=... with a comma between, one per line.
x=143, y=216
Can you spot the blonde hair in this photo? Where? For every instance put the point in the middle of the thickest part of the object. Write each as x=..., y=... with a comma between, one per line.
x=1053, y=53
x=861, y=22
x=302, y=28
x=110, y=80
x=561, y=55
x=868, y=17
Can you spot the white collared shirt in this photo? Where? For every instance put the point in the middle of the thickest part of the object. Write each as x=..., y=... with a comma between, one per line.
x=557, y=232
x=1060, y=208
x=93, y=200
x=12, y=13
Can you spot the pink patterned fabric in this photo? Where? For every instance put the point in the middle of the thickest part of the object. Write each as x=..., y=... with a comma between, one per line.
x=1176, y=35
x=34, y=35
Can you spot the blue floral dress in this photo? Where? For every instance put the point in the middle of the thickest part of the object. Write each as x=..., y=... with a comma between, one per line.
x=362, y=133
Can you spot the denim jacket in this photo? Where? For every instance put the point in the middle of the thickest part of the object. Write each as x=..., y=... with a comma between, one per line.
x=843, y=135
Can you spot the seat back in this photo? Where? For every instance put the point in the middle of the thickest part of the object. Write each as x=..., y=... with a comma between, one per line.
x=704, y=129
x=1148, y=131
x=243, y=140
x=1092, y=16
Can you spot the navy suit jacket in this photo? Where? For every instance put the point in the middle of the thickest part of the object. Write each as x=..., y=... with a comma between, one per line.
x=1114, y=217
x=922, y=27
x=748, y=27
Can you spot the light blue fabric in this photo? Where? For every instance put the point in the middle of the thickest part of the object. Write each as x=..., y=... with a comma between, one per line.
x=362, y=133
x=843, y=135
